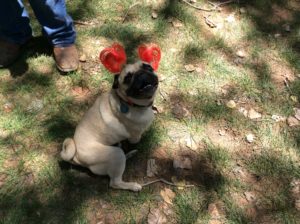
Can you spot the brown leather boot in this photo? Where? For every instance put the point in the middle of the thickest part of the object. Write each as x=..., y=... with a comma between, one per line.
x=9, y=52
x=66, y=58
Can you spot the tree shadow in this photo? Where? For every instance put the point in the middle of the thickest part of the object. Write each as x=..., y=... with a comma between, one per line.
x=62, y=206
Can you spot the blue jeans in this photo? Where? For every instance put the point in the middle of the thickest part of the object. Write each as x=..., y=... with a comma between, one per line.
x=51, y=14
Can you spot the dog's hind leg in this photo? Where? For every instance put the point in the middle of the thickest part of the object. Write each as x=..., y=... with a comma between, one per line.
x=112, y=163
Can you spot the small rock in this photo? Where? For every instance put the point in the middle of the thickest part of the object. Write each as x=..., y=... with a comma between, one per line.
x=154, y=15
x=277, y=35
x=287, y=27
x=252, y=114
x=250, y=138
x=8, y=107
x=157, y=109
x=297, y=113
x=182, y=162
x=294, y=98
x=82, y=58
x=176, y=23
x=151, y=168
x=295, y=188
x=221, y=132
x=298, y=75
x=292, y=121
x=243, y=10
x=295, y=182
x=3, y=133
x=243, y=111
x=199, y=69
x=190, y=68
x=238, y=61
x=250, y=196
x=213, y=211
x=230, y=18
x=190, y=143
x=241, y=53
x=231, y=104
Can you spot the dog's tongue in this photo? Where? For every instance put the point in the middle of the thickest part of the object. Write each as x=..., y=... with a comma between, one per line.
x=151, y=54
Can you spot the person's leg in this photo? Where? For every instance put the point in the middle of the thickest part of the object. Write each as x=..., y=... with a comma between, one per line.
x=57, y=24
x=14, y=30
x=59, y=29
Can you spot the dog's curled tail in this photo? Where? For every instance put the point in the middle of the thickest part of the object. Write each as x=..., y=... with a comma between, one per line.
x=68, y=149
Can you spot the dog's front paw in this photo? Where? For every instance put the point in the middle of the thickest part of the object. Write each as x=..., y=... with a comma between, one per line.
x=136, y=187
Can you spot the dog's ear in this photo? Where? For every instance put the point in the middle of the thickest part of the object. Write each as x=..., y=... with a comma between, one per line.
x=150, y=53
x=116, y=81
x=113, y=58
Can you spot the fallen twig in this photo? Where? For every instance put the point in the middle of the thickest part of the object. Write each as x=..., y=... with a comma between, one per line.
x=197, y=7
x=216, y=5
x=166, y=182
x=210, y=23
x=286, y=83
x=214, y=8
x=128, y=10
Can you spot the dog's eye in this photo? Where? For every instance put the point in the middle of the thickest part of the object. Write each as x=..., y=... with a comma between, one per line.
x=128, y=78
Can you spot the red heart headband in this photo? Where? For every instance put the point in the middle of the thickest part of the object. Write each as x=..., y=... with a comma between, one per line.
x=113, y=58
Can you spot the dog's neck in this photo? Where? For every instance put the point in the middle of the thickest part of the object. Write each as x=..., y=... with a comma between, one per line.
x=126, y=101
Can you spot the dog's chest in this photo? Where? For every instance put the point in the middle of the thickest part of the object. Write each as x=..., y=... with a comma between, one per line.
x=112, y=124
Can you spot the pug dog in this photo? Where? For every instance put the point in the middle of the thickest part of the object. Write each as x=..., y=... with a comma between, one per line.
x=123, y=113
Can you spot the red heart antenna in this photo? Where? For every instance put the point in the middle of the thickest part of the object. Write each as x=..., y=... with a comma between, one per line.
x=150, y=53
x=113, y=58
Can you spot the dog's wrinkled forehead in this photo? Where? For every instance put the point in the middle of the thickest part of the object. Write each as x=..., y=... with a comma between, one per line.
x=134, y=68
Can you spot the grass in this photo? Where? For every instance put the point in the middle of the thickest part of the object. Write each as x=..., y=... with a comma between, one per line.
x=190, y=206
x=37, y=187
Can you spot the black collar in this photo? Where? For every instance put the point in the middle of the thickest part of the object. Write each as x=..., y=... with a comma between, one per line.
x=126, y=103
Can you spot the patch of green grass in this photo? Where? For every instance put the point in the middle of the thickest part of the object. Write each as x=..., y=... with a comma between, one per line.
x=295, y=87
x=151, y=139
x=271, y=163
x=125, y=199
x=17, y=121
x=190, y=206
x=193, y=52
x=129, y=35
x=59, y=127
x=234, y=213
x=218, y=156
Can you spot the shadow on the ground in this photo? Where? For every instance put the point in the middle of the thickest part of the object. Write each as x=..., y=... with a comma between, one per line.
x=36, y=46
x=59, y=200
